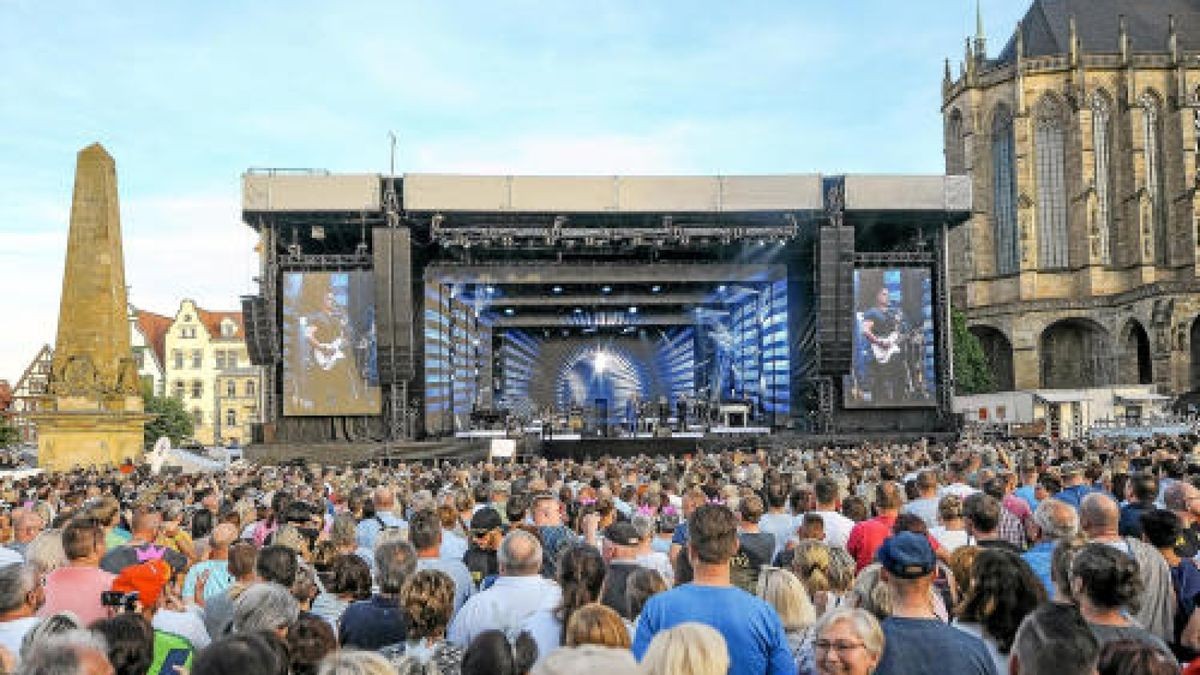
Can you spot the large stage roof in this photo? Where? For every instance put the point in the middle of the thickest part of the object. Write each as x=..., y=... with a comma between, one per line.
x=279, y=191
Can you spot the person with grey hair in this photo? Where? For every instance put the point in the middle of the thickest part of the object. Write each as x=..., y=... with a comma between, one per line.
x=267, y=607
x=517, y=594
x=646, y=555
x=20, y=598
x=378, y=621
x=385, y=518
x=355, y=662
x=1054, y=640
x=74, y=652
x=1054, y=521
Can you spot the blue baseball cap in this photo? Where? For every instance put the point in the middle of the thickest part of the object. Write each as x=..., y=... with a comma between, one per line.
x=907, y=555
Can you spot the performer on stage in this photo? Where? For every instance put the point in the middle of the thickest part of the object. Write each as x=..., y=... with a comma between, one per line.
x=330, y=368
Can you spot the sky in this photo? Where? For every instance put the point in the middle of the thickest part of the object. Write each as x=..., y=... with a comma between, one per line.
x=187, y=96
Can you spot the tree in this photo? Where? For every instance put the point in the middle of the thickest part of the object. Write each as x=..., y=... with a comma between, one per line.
x=8, y=433
x=171, y=420
x=972, y=372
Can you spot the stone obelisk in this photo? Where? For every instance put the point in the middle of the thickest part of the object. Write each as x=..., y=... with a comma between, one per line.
x=93, y=413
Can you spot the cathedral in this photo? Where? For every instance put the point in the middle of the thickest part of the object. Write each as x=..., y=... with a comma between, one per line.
x=1080, y=265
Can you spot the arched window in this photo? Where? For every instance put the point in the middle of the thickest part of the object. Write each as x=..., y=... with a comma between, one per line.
x=956, y=161
x=1102, y=154
x=1004, y=188
x=1050, y=150
x=1155, y=185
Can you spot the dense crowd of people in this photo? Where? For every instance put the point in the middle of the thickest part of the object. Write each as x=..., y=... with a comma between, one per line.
x=1030, y=557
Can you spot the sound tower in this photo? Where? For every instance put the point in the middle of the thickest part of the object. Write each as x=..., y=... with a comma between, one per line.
x=392, y=251
x=259, y=345
x=835, y=299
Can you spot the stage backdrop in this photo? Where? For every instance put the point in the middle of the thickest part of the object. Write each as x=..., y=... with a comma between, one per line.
x=893, y=339
x=329, y=365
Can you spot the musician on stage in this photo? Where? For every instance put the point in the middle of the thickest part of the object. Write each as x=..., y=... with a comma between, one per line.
x=885, y=367
x=331, y=370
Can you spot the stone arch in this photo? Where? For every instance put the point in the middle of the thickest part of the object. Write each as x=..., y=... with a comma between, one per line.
x=1133, y=358
x=1074, y=353
x=998, y=351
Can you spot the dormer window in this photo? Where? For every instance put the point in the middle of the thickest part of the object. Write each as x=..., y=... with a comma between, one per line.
x=228, y=328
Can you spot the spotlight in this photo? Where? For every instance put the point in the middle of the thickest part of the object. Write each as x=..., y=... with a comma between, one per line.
x=491, y=290
x=606, y=289
x=656, y=289
x=558, y=289
x=721, y=288
x=600, y=362
x=579, y=310
x=633, y=310
x=509, y=311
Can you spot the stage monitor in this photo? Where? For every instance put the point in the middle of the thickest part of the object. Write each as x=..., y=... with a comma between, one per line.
x=329, y=361
x=893, y=364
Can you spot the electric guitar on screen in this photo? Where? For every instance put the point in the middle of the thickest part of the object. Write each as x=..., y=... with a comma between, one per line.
x=890, y=347
x=328, y=354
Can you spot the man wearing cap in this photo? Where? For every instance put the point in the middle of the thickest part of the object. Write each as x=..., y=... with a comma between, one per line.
x=916, y=641
x=621, y=541
x=1075, y=486
x=178, y=633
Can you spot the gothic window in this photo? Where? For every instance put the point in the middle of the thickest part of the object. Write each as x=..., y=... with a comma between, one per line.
x=956, y=163
x=1102, y=154
x=197, y=388
x=1050, y=151
x=1004, y=189
x=1155, y=185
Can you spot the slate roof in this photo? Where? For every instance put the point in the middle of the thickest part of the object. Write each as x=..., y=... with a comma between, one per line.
x=1046, y=26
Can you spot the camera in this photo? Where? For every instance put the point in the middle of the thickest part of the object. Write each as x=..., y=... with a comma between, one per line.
x=125, y=601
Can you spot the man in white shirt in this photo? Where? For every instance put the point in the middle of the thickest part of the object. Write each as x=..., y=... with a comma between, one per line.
x=837, y=526
x=20, y=597
x=777, y=520
x=956, y=482
x=518, y=592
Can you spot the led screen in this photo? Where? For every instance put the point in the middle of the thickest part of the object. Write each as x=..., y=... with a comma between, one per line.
x=329, y=365
x=893, y=362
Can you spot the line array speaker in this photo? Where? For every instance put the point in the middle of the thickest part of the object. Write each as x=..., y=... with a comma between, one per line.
x=392, y=250
x=259, y=345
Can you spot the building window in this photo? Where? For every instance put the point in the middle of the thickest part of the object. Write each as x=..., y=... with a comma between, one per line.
x=177, y=357
x=231, y=418
x=1050, y=147
x=1004, y=189
x=956, y=161
x=249, y=388
x=220, y=359
x=1155, y=185
x=187, y=331
x=197, y=359
x=139, y=358
x=197, y=416
x=197, y=389
x=231, y=389
x=231, y=359
x=1102, y=154
x=178, y=389
x=228, y=328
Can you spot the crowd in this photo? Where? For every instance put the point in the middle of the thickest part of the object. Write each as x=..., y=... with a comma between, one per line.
x=1032, y=557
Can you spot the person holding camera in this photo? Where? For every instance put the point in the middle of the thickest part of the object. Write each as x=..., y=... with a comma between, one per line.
x=145, y=588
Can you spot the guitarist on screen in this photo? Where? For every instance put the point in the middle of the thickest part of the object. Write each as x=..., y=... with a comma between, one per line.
x=881, y=328
x=328, y=336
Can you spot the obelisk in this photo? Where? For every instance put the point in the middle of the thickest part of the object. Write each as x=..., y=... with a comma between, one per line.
x=93, y=413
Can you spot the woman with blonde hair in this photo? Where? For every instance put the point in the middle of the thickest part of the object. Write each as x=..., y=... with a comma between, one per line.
x=827, y=573
x=597, y=624
x=784, y=592
x=849, y=642
x=687, y=649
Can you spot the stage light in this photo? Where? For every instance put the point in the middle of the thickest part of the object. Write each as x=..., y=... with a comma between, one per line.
x=606, y=289
x=633, y=310
x=491, y=290
x=656, y=289
x=600, y=362
x=509, y=311
x=579, y=310
x=558, y=289
x=721, y=288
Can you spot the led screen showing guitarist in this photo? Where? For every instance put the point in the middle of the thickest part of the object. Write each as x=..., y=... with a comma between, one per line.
x=329, y=345
x=892, y=365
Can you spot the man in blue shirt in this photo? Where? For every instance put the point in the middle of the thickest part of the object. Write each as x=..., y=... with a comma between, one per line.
x=916, y=642
x=752, y=630
x=1076, y=485
x=1055, y=521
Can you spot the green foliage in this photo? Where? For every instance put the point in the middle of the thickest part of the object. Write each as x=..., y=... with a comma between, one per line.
x=972, y=372
x=8, y=433
x=171, y=420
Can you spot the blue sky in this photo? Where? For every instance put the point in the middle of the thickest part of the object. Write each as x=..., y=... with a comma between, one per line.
x=186, y=96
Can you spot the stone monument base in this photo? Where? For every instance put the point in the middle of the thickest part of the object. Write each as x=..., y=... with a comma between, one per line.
x=67, y=439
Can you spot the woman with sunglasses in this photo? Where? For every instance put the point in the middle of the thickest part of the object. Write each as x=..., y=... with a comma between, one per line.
x=849, y=642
